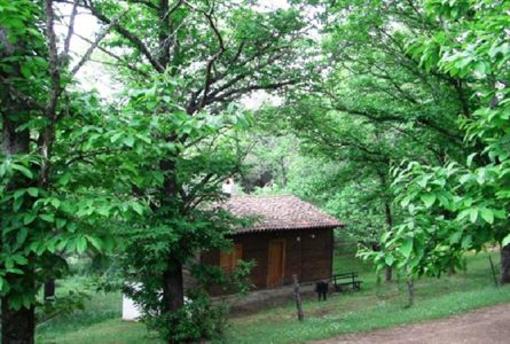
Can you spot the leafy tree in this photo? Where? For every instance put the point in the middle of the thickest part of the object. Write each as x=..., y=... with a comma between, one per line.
x=51, y=207
x=373, y=105
x=460, y=205
x=186, y=62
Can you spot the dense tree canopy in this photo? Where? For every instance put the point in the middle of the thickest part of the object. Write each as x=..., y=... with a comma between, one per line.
x=391, y=115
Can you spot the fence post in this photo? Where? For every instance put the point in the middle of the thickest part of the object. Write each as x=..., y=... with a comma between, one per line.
x=297, y=296
x=493, y=269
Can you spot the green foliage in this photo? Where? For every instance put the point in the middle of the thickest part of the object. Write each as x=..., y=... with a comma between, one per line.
x=461, y=205
x=197, y=320
x=189, y=63
x=146, y=168
x=374, y=307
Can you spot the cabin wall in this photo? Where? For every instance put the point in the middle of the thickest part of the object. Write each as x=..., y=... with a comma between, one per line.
x=308, y=253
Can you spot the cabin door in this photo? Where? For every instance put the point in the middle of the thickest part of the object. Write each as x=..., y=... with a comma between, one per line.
x=276, y=263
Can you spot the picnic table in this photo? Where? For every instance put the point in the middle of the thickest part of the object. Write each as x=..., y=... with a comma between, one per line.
x=346, y=280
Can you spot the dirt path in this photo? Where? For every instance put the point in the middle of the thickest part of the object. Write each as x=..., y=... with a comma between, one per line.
x=486, y=326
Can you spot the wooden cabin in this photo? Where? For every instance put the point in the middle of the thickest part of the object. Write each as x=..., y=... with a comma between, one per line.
x=288, y=236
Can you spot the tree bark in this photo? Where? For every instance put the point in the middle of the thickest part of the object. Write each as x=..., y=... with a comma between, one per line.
x=297, y=296
x=18, y=326
x=173, y=288
x=505, y=264
x=388, y=276
x=410, y=292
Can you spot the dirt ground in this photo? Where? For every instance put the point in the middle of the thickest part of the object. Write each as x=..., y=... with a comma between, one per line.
x=487, y=325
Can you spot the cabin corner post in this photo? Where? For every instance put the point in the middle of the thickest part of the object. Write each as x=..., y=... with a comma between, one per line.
x=332, y=248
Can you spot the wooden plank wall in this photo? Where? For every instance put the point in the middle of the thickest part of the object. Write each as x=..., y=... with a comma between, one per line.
x=310, y=256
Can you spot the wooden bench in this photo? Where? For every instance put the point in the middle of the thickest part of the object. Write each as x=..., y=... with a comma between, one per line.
x=347, y=280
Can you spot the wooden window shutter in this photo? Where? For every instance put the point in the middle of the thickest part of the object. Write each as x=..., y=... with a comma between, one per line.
x=228, y=260
x=238, y=252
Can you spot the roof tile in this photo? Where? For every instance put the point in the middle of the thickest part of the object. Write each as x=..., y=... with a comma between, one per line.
x=278, y=213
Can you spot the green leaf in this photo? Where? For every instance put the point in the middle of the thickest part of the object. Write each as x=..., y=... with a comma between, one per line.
x=18, y=193
x=455, y=237
x=389, y=259
x=21, y=236
x=47, y=217
x=138, y=208
x=96, y=242
x=55, y=202
x=18, y=202
x=81, y=244
x=60, y=223
x=34, y=192
x=487, y=215
x=428, y=199
x=406, y=248
x=405, y=201
x=467, y=242
x=470, y=159
x=473, y=215
x=26, y=71
x=506, y=241
x=129, y=141
x=25, y=171
x=28, y=218
x=19, y=259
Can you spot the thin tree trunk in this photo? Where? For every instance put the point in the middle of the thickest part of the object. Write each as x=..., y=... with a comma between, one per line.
x=410, y=292
x=505, y=264
x=388, y=274
x=494, y=273
x=297, y=296
x=451, y=270
x=389, y=221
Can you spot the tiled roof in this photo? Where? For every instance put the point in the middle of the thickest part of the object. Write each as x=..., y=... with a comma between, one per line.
x=278, y=213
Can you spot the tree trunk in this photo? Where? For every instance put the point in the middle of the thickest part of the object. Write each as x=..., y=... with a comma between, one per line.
x=173, y=289
x=388, y=274
x=505, y=264
x=451, y=270
x=297, y=296
x=410, y=292
x=18, y=326
x=389, y=221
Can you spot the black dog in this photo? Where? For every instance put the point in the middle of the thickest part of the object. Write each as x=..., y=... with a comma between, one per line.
x=322, y=288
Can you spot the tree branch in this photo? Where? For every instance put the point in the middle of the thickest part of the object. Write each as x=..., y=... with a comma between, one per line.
x=115, y=56
x=94, y=45
x=131, y=37
x=144, y=2
x=70, y=28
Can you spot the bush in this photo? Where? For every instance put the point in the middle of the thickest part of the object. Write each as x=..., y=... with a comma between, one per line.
x=199, y=319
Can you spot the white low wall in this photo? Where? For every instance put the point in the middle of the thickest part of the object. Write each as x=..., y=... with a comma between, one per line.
x=130, y=311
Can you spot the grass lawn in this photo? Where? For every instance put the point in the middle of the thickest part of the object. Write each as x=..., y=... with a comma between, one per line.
x=376, y=306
